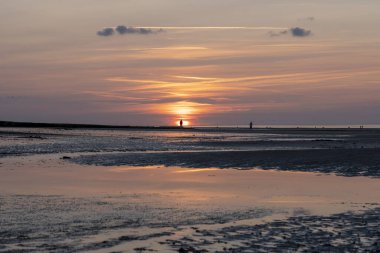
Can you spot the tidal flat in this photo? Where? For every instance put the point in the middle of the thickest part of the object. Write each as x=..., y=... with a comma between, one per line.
x=189, y=190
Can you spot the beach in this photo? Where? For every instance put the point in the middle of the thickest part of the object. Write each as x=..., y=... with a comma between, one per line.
x=189, y=190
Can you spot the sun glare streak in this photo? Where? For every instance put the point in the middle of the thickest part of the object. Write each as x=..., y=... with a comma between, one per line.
x=183, y=109
x=196, y=78
x=196, y=170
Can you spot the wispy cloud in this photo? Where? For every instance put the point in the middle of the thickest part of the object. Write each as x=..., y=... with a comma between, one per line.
x=308, y=19
x=276, y=34
x=294, y=31
x=210, y=91
x=216, y=28
x=189, y=96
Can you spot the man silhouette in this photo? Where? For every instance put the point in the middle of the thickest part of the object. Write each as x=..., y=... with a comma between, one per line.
x=251, y=125
x=181, y=123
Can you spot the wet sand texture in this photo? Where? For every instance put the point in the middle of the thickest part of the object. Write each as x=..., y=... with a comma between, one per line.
x=347, y=232
x=346, y=162
x=73, y=190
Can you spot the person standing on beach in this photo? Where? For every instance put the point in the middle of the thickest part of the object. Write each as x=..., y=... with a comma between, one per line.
x=251, y=125
x=181, y=123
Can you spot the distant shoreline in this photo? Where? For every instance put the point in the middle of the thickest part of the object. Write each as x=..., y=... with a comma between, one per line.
x=79, y=126
x=4, y=124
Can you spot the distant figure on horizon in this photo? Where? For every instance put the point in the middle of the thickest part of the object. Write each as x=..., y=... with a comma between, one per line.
x=251, y=125
x=181, y=123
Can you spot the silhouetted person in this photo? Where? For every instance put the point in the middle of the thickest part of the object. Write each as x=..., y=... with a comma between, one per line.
x=250, y=125
x=181, y=123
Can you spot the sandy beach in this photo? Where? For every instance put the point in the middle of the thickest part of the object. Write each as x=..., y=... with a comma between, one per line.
x=191, y=190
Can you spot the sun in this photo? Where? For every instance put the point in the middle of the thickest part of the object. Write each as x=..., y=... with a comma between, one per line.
x=184, y=122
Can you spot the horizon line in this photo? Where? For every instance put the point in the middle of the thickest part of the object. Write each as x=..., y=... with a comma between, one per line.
x=235, y=126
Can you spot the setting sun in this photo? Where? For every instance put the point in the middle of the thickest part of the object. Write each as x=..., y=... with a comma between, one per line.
x=184, y=122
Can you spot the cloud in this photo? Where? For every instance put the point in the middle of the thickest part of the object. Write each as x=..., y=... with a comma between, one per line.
x=276, y=34
x=106, y=32
x=300, y=32
x=294, y=31
x=123, y=30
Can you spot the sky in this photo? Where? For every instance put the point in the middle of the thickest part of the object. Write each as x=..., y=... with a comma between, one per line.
x=208, y=62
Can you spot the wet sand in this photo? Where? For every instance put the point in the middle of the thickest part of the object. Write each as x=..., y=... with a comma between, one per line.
x=105, y=194
x=347, y=232
x=346, y=162
x=46, y=199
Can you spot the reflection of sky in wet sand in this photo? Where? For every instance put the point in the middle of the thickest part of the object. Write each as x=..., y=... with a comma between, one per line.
x=200, y=188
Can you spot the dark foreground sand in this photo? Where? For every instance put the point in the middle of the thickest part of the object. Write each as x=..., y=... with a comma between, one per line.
x=347, y=232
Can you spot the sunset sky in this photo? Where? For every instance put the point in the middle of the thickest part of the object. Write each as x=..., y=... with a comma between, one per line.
x=226, y=62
